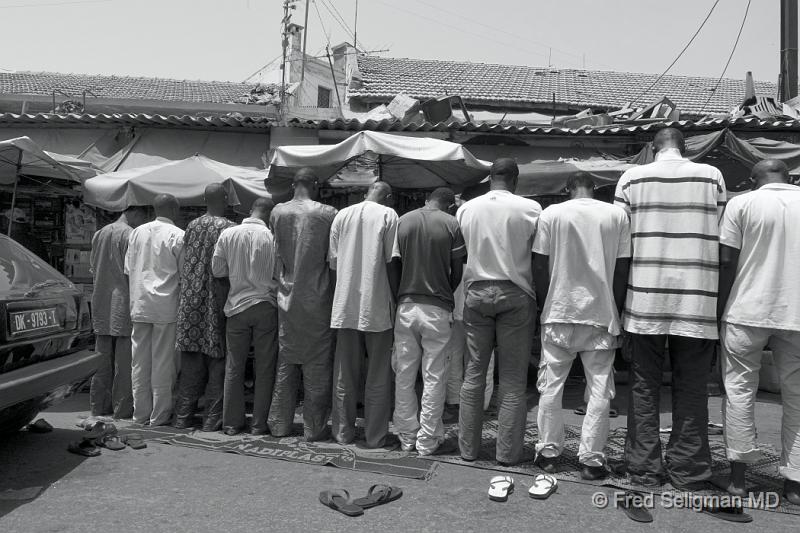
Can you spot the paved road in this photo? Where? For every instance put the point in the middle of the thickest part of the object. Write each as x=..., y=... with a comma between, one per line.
x=166, y=488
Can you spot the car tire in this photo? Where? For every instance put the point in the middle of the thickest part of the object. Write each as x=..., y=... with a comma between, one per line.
x=16, y=417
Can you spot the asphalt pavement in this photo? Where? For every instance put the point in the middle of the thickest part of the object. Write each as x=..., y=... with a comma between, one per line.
x=169, y=488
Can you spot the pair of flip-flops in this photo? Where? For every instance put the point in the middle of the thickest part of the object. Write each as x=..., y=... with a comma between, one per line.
x=119, y=442
x=501, y=487
x=339, y=499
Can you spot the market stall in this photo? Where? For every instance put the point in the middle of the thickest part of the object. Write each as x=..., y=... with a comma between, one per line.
x=406, y=163
x=185, y=179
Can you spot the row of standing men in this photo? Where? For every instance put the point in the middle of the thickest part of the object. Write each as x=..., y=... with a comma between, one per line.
x=348, y=299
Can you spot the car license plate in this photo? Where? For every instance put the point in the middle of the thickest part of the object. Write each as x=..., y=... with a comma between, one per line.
x=32, y=320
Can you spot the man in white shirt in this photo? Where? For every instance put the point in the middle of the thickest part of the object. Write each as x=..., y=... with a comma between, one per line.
x=363, y=251
x=582, y=254
x=245, y=255
x=152, y=263
x=759, y=304
x=499, y=309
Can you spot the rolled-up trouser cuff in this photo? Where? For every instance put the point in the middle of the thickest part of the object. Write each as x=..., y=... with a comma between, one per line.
x=792, y=474
x=751, y=456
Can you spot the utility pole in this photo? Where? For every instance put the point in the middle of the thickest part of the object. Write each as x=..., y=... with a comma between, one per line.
x=287, y=5
x=788, y=76
x=305, y=38
x=355, y=29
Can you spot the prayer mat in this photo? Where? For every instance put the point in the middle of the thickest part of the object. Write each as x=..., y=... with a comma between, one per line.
x=294, y=449
x=762, y=477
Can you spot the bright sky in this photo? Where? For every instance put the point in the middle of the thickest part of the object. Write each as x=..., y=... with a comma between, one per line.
x=232, y=39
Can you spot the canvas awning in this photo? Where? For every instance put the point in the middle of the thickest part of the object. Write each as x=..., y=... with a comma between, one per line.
x=23, y=157
x=185, y=179
x=746, y=152
x=402, y=162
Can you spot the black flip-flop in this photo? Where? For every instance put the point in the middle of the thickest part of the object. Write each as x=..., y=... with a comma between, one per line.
x=100, y=430
x=580, y=410
x=135, y=441
x=112, y=442
x=339, y=500
x=40, y=426
x=637, y=513
x=728, y=514
x=613, y=413
x=378, y=494
x=84, y=447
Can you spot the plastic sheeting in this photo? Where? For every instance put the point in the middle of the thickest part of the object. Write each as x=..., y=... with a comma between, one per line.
x=22, y=156
x=748, y=152
x=403, y=162
x=185, y=179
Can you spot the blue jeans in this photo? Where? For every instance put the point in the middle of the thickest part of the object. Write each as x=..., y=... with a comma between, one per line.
x=496, y=313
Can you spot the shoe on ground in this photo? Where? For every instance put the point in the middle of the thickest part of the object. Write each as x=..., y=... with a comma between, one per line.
x=646, y=480
x=548, y=464
x=593, y=473
x=231, y=431
x=212, y=424
x=257, y=432
x=183, y=423
x=791, y=491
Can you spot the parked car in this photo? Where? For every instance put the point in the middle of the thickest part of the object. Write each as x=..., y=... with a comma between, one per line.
x=46, y=342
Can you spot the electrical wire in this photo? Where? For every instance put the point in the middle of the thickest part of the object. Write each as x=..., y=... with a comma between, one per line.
x=702, y=24
x=339, y=19
x=319, y=16
x=730, y=56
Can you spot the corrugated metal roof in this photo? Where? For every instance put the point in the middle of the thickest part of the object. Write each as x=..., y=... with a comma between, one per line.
x=480, y=83
x=751, y=123
x=129, y=87
x=136, y=119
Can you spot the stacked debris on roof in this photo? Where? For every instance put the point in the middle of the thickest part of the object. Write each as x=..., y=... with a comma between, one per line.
x=262, y=94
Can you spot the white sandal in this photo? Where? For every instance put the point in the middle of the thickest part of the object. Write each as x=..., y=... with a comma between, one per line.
x=543, y=486
x=500, y=487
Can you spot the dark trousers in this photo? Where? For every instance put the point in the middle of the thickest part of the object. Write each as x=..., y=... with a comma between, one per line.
x=198, y=371
x=111, y=391
x=496, y=313
x=351, y=347
x=317, y=377
x=687, y=457
x=256, y=326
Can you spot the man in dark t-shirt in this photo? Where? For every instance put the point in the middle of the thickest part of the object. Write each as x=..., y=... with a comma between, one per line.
x=432, y=252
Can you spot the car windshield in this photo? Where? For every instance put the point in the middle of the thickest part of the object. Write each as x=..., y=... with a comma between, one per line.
x=21, y=270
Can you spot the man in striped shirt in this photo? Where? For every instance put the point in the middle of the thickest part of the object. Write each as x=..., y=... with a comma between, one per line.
x=675, y=206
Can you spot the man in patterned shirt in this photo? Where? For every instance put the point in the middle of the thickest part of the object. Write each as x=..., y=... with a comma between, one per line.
x=201, y=322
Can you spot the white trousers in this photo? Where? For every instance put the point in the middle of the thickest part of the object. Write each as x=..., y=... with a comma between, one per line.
x=742, y=347
x=456, y=351
x=155, y=368
x=421, y=333
x=558, y=353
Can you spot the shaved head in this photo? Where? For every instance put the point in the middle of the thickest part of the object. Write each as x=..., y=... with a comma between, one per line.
x=262, y=208
x=769, y=171
x=305, y=184
x=216, y=199
x=167, y=206
x=669, y=138
x=505, y=173
x=380, y=192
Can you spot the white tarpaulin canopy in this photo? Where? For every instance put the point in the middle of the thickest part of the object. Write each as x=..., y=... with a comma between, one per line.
x=403, y=162
x=185, y=179
x=23, y=157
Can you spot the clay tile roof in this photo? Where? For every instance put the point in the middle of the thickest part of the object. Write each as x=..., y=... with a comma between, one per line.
x=481, y=83
x=124, y=87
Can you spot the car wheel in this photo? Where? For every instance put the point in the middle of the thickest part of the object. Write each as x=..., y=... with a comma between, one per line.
x=17, y=416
